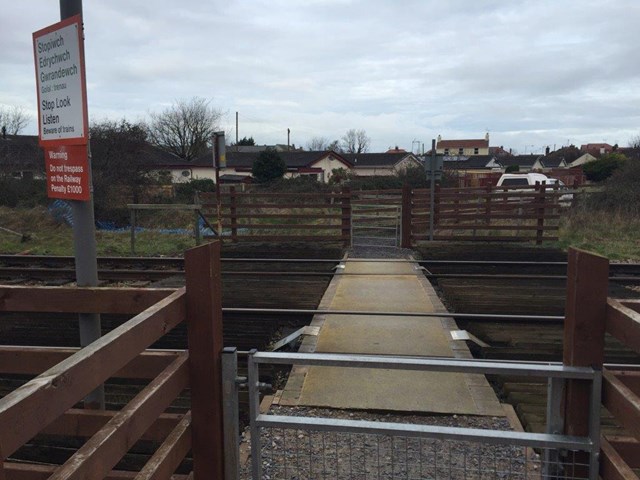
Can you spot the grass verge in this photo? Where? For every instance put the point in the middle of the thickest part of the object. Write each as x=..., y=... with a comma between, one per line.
x=612, y=235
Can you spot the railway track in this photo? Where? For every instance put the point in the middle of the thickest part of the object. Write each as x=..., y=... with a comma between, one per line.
x=22, y=268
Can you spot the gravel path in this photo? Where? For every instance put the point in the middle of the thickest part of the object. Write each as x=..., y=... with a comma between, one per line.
x=381, y=252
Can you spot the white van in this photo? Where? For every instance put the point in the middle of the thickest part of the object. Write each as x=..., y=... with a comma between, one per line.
x=530, y=179
x=521, y=179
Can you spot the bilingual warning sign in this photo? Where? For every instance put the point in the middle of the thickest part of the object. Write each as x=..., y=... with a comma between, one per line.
x=67, y=172
x=60, y=79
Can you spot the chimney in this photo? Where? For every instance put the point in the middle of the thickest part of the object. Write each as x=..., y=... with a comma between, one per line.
x=546, y=152
x=288, y=138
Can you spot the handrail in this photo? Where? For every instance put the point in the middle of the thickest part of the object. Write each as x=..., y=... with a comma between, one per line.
x=44, y=404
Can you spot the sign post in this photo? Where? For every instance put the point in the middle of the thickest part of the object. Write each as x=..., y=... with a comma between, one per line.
x=219, y=161
x=64, y=134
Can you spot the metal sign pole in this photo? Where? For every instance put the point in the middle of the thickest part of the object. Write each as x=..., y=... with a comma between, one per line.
x=432, y=190
x=84, y=245
x=219, y=161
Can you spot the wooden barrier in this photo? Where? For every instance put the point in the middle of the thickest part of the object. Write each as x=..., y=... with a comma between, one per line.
x=589, y=314
x=280, y=217
x=44, y=404
x=485, y=213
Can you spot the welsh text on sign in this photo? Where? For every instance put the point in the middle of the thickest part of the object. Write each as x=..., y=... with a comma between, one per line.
x=60, y=79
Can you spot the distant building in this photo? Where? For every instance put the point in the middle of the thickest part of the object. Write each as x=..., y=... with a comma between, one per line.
x=597, y=149
x=319, y=165
x=466, y=148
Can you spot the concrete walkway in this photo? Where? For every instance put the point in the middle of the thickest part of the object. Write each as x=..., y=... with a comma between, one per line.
x=403, y=288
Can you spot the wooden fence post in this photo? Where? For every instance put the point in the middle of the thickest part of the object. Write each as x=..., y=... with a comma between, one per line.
x=487, y=205
x=436, y=208
x=584, y=329
x=133, y=231
x=540, y=198
x=232, y=211
x=347, y=218
x=204, y=335
x=406, y=216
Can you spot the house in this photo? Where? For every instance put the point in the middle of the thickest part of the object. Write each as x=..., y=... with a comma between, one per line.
x=468, y=164
x=597, y=149
x=547, y=163
x=525, y=163
x=240, y=164
x=21, y=156
x=396, y=149
x=381, y=164
x=319, y=165
x=463, y=147
x=586, y=158
x=473, y=171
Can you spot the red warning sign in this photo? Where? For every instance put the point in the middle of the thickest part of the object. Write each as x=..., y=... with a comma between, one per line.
x=67, y=172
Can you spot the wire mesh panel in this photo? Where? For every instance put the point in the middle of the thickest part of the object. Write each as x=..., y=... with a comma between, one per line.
x=305, y=443
x=297, y=454
x=375, y=225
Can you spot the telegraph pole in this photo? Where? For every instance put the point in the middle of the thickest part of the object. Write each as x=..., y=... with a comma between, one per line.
x=432, y=190
x=84, y=245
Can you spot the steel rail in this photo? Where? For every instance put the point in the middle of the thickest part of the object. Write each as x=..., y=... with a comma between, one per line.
x=165, y=260
x=471, y=316
x=125, y=274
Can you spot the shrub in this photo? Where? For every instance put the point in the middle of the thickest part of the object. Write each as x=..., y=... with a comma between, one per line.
x=22, y=192
x=302, y=184
x=185, y=192
x=603, y=168
x=268, y=166
x=621, y=192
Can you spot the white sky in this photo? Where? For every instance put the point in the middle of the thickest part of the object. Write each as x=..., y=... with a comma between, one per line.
x=532, y=72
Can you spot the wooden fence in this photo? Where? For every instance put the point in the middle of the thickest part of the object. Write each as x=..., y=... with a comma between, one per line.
x=489, y=213
x=589, y=315
x=49, y=402
x=281, y=217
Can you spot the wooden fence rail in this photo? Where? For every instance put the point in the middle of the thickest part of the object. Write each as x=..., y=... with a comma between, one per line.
x=589, y=315
x=45, y=403
x=487, y=213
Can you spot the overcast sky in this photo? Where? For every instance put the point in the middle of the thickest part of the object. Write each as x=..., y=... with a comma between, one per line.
x=533, y=73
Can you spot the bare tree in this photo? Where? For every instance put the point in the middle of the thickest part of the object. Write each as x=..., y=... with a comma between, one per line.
x=355, y=141
x=634, y=142
x=13, y=119
x=317, y=144
x=186, y=128
x=334, y=146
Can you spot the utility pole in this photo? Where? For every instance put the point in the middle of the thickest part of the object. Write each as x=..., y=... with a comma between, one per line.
x=432, y=190
x=84, y=245
x=236, y=130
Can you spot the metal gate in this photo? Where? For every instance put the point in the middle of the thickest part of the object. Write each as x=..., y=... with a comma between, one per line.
x=375, y=225
x=302, y=444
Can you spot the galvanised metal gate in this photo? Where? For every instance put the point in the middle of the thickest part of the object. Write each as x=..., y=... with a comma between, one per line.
x=375, y=225
x=306, y=446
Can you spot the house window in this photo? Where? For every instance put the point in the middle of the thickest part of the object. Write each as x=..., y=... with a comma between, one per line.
x=460, y=151
x=446, y=151
x=476, y=151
